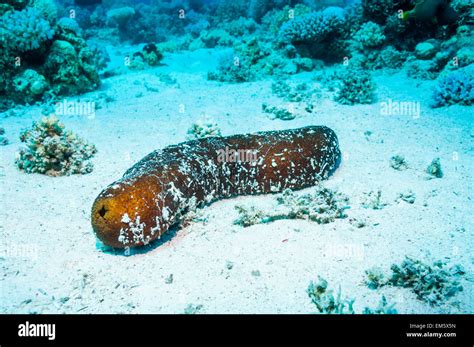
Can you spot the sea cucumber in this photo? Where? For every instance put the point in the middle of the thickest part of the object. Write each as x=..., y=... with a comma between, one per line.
x=154, y=193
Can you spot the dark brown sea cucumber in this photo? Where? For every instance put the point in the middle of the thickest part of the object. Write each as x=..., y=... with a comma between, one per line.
x=154, y=193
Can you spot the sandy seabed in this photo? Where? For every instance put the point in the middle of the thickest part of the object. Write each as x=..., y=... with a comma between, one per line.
x=52, y=263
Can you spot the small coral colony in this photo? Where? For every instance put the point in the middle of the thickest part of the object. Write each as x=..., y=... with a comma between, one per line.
x=53, y=49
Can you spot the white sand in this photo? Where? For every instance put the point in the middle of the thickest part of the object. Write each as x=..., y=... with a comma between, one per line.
x=51, y=262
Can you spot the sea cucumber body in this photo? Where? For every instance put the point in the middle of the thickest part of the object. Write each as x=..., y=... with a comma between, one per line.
x=154, y=193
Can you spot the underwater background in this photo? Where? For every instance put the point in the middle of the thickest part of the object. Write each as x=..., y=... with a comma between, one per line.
x=89, y=87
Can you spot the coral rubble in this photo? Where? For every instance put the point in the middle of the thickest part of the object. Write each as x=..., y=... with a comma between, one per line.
x=322, y=206
x=51, y=150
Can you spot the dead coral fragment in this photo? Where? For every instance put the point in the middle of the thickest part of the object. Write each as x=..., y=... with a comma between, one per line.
x=383, y=308
x=434, y=169
x=322, y=205
x=433, y=283
x=407, y=196
x=398, y=162
x=373, y=200
x=375, y=278
x=249, y=216
x=3, y=139
x=278, y=112
x=53, y=151
x=325, y=301
x=202, y=128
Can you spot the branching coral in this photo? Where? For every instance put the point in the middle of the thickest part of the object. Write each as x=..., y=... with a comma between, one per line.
x=51, y=150
x=274, y=19
x=455, y=88
x=48, y=60
x=253, y=59
x=370, y=35
x=24, y=30
x=66, y=23
x=47, y=8
x=312, y=27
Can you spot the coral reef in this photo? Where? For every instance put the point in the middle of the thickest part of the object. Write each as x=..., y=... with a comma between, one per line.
x=232, y=69
x=120, y=17
x=273, y=20
x=369, y=35
x=389, y=57
x=50, y=149
x=312, y=27
x=253, y=59
x=24, y=30
x=425, y=50
x=455, y=88
x=316, y=34
x=70, y=67
x=43, y=58
x=377, y=10
x=47, y=8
